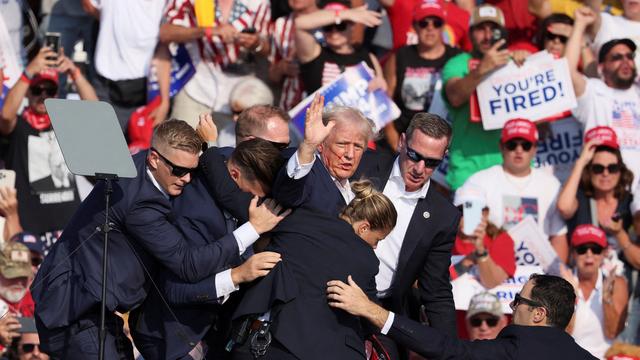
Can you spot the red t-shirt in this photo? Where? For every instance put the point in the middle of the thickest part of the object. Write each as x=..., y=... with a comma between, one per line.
x=501, y=250
x=520, y=23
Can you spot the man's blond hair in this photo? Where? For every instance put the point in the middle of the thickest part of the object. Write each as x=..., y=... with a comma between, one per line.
x=177, y=134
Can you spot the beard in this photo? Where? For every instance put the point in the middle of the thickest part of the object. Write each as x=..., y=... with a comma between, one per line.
x=622, y=83
x=13, y=293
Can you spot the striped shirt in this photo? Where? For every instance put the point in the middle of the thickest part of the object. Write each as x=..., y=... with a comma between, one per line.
x=283, y=47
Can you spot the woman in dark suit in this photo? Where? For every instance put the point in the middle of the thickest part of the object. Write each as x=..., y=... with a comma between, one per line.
x=291, y=299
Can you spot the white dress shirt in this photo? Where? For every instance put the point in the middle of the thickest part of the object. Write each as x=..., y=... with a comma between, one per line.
x=388, y=250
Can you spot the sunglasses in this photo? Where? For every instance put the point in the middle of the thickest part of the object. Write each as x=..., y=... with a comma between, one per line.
x=517, y=300
x=29, y=348
x=618, y=57
x=551, y=37
x=38, y=90
x=595, y=249
x=430, y=163
x=477, y=321
x=599, y=168
x=177, y=171
x=336, y=27
x=511, y=145
x=279, y=145
x=434, y=22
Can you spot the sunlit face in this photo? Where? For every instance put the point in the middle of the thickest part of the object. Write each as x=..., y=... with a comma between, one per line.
x=484, y=331
x=556, y=43
x=619, y=68
x=38, y=93
x=162, y=170
x=337, y=36
x=415, y=174
x=29, y=347
x=429, y=31
x=588, y=262
x=518, y=160
x=524, y=313
x=342, y=150
x=631, y=8
x=605, y=181
x=482, y=34
x=13, y=290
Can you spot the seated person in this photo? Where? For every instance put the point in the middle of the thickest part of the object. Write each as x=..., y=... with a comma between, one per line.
x=289, y=303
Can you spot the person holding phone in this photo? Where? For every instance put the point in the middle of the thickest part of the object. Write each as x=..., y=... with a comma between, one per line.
x=488, y=249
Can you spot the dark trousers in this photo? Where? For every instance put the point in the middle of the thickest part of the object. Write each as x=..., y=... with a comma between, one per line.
x=80, y=340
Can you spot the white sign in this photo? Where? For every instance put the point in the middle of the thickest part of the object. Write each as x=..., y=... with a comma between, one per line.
x=538, y=89
x=560, y=149
x=468, y=285
x=533, y=247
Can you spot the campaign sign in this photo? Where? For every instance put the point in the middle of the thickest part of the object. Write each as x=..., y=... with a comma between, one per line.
x=558, y=152
x=350, y=89
x=182, y=70
x=467, y=285
x=538, y=89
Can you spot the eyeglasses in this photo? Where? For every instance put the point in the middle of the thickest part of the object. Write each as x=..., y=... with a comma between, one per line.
x=595, y=249
x=511, y=145
x=551, y=37
x=599, y=168
x=517, y=300
x=618, y=56
x=336, y=27
x=430, y=163
x=279, y=145
x=48, y=90
x=434, y=22
x=177, y=171
x=477, y=321
x=29, y=348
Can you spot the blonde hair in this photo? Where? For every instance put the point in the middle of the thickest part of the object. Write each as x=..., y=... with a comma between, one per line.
x=177, y=134
x=370, y=205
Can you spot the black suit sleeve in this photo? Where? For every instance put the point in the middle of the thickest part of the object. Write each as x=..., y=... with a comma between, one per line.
x=434, y=283
x=292, y=193
x=223, y=189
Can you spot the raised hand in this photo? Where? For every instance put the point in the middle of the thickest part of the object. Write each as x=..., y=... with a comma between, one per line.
x=494, y=58
x=315, y=130
x=46, y=58
x=585, y=16
x=362, y=15
x=207, y=128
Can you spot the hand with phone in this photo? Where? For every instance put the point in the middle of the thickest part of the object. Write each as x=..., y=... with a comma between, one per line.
x=9, y=329
x=494, y=58
x=248, y=38
x=46, y=58
x=8, y=202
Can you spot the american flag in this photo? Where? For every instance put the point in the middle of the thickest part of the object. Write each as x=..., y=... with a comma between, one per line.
x=623, y=118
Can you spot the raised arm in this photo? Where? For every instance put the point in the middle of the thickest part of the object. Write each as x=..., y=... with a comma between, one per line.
x=583, y=18
x=162, y=62
x=567, y=201
x=85, y=89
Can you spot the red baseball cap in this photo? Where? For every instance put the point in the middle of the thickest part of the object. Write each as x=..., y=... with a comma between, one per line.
x=587, y=233
x=605, y=134
x=45, y=75
x=335, y=6
x=519, y=129
x=428, y=8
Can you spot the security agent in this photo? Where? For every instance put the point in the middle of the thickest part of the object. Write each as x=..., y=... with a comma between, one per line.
x=541, y=312
x=67, y=289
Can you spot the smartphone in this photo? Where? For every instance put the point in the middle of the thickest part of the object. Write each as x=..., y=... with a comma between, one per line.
x=472, y=213
x=52, y=41
x=27, y=325
x=7, y=178
x=498, y=34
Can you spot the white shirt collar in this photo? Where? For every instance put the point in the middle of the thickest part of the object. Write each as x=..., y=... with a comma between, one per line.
x=156, y=184
x=396, y=177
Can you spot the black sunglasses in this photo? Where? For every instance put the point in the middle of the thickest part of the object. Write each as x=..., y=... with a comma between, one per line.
x=595, y=249
x=178, y=171
x=48, y=90
x=435, y=22
x=517, y=300
x=279, y=145
x=336, y=27
x=513, y=144
x=618, y=56
x=28, y=348
x=599, y=168
x=430, y=163
x=551, y=37
x=477, y=321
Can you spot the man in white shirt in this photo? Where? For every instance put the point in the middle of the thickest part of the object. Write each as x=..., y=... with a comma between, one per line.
x=514, y=190
x=613, y=101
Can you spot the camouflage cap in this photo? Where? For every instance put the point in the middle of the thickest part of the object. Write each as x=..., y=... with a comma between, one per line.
x=15, y=261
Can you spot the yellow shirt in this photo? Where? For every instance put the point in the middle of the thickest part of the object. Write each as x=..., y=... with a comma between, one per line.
x=568, y=7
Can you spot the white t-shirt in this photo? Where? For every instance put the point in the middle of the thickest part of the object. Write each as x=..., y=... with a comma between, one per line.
x=128, y=37
x=601, y=105
x=588, y=330
x=616, y=27
x=511, y=198
x=11, y=13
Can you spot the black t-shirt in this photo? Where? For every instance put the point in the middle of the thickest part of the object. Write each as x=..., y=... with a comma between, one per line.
x=328, y=66
x=416, y=82
x=47, y=192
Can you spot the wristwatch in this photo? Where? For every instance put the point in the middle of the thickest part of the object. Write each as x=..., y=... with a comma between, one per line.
x=481, y=255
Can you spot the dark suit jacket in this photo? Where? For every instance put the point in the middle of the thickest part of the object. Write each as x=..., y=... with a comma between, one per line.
x=315, y=191
x=68, y=284
x=425, y=255
x=315, y=248
x=513, y=342
x=170, y=333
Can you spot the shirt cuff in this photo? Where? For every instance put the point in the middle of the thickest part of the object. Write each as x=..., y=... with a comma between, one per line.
x=295, y=170
x=387, y=324
x=224, y=285
x=245, y=236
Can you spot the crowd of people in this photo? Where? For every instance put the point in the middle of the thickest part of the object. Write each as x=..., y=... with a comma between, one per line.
x=246, y=235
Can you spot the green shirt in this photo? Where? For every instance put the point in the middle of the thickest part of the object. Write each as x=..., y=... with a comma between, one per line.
x=472, y=148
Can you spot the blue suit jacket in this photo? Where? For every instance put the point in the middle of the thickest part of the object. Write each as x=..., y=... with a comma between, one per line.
x=68, y=284
x=513, y=342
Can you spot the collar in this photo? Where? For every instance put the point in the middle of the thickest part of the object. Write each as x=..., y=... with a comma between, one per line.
x=396, y=177
x=156, y=184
